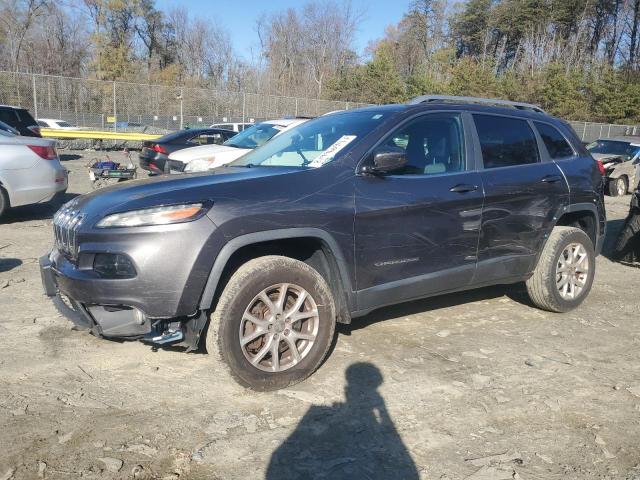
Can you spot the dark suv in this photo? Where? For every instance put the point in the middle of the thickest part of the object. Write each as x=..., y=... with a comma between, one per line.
x=337, y=217
x=20, y=119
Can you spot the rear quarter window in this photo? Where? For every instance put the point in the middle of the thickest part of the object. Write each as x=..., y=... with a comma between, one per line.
x=506, y=141
x=556, y=144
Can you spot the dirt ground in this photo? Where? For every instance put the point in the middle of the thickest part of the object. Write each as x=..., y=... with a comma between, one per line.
x=474, y=385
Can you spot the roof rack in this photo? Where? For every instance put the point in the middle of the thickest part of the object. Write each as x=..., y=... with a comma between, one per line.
x=485, y=101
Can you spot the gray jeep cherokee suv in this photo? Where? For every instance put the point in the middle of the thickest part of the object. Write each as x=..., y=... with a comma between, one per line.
x=341, y=215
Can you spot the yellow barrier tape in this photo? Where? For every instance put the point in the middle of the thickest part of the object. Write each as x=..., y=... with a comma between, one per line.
x=97, y=135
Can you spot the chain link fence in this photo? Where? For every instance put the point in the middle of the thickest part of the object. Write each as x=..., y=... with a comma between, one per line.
x=589, y=132
x=140, y=107
x=104, y=105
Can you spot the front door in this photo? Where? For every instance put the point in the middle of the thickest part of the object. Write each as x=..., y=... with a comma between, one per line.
x=416, y=230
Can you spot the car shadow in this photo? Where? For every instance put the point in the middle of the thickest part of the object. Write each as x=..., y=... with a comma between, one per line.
x=353, y=439
x=65, y=157
x=7, y=264
x=38, y=211
x=516, y=292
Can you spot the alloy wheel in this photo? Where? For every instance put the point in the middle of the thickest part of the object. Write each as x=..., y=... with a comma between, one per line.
x=572, y=271
x=279, y=327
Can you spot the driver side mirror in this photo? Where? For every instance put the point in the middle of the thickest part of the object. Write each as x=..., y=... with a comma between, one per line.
x=387, y=159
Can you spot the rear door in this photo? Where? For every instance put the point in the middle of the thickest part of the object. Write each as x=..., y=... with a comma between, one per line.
x=416, y=230
x=523, y=193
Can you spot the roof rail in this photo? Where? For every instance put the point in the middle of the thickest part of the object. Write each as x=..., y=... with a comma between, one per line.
x=486, y=101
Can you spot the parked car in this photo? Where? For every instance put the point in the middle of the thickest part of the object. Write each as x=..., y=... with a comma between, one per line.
x=20, y=119
x=620, y=157
x=334, y=218
x=56, y=124
x=30, y=171
x=8, y=128
x=236, y=127
x=207, y=157
x=155, y=153
x=627, y=247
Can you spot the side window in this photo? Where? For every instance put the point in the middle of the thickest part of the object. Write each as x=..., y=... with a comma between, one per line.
x=556, y=144
x=8, y=116
x=505, y=141
x=434, y=144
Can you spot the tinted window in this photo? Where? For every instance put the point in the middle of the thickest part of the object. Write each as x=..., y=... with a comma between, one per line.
x=556, y=144
x=434, y=144
x=25, y=117
x=505, y=141
x=8, y=116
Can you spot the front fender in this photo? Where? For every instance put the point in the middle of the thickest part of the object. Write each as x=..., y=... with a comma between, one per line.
x=265, y=236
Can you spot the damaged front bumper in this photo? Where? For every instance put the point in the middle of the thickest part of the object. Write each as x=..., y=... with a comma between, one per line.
x=122, y=322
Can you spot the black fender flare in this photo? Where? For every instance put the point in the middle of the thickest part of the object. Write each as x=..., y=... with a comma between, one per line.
x=258, y=237
x=573, y=208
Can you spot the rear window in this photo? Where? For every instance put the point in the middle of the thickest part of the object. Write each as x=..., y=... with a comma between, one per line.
x=556, y=144
x=505, y=141
x=25, y=117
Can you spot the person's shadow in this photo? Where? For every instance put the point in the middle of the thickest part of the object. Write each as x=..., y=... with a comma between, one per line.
x=355, y=440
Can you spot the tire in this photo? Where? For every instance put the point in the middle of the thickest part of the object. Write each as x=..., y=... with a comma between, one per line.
x=617, y=187
x=4, y=202
x=546, y=287
x=242, y=296
x=628, y=242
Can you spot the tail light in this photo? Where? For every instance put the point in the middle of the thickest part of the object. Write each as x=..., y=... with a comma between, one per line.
x=35, y=129
x=159, y=149
x=603, y=170
x=46, y=153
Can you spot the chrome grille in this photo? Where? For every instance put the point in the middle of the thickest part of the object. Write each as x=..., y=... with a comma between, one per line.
x=65, y=229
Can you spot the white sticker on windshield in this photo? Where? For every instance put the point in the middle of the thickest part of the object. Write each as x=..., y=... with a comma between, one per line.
x=331, y=152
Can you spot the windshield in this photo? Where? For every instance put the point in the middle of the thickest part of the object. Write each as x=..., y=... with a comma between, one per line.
x=64, y=124
x=255, y=136
x=614, y=147
x=314, y=143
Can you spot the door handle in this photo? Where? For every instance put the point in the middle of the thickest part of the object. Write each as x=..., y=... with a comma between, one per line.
x=551, y=179
x=464, y=188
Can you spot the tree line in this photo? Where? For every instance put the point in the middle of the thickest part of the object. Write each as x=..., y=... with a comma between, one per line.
x=579, y=59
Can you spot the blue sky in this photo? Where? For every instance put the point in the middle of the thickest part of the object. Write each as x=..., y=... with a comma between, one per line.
x=239, y=17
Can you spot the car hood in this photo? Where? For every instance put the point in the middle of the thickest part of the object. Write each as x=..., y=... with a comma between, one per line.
x=207, y=151
x=169, y=190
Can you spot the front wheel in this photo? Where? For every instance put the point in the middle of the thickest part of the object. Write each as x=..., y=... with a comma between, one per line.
x=565, y=271
x=273, y=324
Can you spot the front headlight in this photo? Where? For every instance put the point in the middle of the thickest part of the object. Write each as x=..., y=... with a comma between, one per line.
x=199, y=165
x=154, y=216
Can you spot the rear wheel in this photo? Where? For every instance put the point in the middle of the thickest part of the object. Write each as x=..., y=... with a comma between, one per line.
x=618, y=187
x=4, y=202
x=564, y=274
x=273, y=323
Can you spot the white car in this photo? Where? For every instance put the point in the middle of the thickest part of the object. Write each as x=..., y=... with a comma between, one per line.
x=206, y=157
x=30, y=171
x=236, y=127
x=56, y=124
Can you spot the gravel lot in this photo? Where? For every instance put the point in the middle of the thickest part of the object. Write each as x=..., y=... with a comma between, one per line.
x=472, y=385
